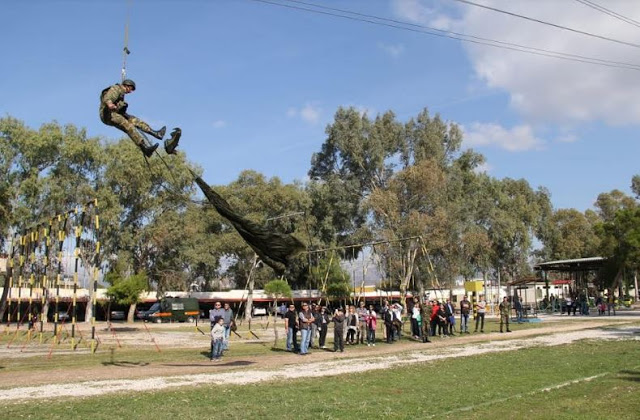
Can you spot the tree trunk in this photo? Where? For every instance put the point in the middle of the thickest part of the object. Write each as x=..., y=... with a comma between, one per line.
x=421, y=291
x=92, y=287
x=88, y=311
x=45, y=309
x=275, y=321
x=250, y=284
x=5, y=291
x=617, y=281
x=249, y=306
x=132, y=312
x=408, y=266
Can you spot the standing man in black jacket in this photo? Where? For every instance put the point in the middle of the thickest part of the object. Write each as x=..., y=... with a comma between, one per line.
x=291, y=327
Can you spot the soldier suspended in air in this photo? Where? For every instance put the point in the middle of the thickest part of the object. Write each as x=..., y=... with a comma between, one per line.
x=113, y=112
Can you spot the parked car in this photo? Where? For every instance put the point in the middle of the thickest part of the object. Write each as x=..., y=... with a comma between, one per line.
x=171, y=309
x=63, y=316
x=145, y=315
x=259, y=311
x=117, y=315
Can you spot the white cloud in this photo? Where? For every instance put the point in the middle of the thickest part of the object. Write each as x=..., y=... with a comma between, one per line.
x=417, y=11
x=393, y=50
x=547, y=89
x=517, y=139
x=219, y=124
x=413, y=10
x=567, y=138
x=309, y=113
x=363, y=109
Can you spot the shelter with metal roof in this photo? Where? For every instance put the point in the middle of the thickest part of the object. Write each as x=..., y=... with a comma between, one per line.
x=578, y=273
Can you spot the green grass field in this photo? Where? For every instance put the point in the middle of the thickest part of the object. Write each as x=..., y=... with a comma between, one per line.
x=588, y=379
x=61, y=357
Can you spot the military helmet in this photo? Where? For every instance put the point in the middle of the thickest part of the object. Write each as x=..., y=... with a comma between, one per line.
x=129, y=82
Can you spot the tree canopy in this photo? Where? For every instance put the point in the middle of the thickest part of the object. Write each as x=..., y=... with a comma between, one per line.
x=373, y=179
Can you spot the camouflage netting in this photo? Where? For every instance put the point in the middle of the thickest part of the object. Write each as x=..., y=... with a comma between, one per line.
x=274, y=249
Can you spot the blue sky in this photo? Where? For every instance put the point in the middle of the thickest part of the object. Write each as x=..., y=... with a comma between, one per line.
x=253, y=85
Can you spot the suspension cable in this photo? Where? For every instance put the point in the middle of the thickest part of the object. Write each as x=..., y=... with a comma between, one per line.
x=125, y=50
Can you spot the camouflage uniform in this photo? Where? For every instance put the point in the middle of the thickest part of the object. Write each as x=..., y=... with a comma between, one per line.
x=425, y=313
x=119, y=118
x=505, y=313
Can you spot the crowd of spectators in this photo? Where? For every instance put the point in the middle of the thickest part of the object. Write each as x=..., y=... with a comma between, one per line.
x=307, y=328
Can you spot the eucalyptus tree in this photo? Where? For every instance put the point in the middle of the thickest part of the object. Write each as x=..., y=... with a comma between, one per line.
x=619, y=234
x=43, y=173
x=635, y=186
x=145, y=199
x=608, y=204
x=357, y=157
x=433, y=197
x=410, y=207
x=385, y=180
x=514, y=220
x=572, y=235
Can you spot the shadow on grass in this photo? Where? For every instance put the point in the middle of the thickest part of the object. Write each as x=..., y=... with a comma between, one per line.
x=207, y=363
x=121, y=329
x=631, y=375
x=125, y=364
x=208, y=355
x=237, y=363
x=261, y=342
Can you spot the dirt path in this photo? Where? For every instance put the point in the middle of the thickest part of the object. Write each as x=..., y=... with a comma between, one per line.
x=322, y=365
x=125, y=377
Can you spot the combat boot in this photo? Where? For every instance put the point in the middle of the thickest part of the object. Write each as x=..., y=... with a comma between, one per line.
x=160, y=133
x=148, y=150
x=171, y=143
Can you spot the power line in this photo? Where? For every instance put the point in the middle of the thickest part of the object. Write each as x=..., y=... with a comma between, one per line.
x=631, y=44
x=610, y=12
x=426, y=30
x=518, y=47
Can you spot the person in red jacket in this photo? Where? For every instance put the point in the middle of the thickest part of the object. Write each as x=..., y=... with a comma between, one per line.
x=435, y=308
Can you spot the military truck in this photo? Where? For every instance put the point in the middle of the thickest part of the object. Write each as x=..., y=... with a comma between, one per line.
x=173, y=309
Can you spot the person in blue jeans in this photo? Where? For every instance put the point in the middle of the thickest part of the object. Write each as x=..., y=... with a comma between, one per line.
x=291, y=327
x=305, y=319
x=519, y=309
x=217, y=339
x=228, y=317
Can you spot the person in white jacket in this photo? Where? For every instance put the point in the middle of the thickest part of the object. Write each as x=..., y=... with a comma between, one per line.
x=217, y=339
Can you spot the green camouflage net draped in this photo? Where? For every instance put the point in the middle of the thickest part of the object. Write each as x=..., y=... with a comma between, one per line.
x=274, y=249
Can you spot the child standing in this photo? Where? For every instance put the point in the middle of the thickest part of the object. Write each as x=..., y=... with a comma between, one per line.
x=217, y=339
x=352, y=325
